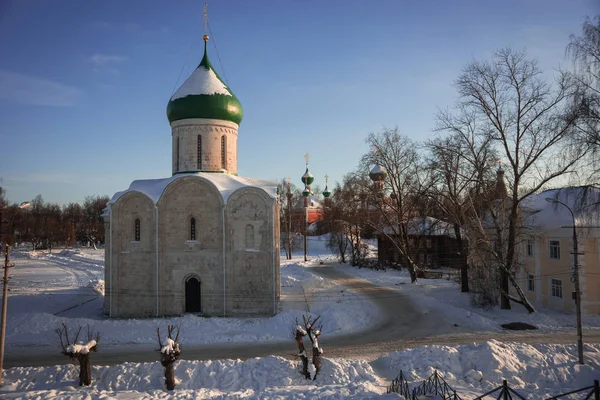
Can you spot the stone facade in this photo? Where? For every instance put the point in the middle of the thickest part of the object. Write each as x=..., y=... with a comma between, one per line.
x=186, y=157
x=233, y=251
x=204, y=240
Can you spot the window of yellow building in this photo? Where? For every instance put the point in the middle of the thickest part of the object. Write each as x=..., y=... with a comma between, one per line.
x=554, y=249
x=530, y=283
x=556, y=286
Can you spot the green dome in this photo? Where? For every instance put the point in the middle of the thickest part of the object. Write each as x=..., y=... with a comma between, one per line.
x=308, y=178
x=204, y=95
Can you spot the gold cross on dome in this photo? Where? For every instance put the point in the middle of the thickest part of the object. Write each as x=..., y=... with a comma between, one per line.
x=307, y=157
x=326, y=178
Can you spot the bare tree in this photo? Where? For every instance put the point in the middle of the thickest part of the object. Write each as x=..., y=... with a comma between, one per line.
x=461, y=164
x=33, y=223
x=51, y=225
x=92, y=227
x=348, y=217
x=313, y=332
x=401, y=197
x=72, y=217
x=584, y=51
x=299, y=333
x=79, y=351
x=169, y=353
x=334, y=219
x=288, y=192
x=523, y=117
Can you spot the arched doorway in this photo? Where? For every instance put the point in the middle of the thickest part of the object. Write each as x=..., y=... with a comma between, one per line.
x=192, y=295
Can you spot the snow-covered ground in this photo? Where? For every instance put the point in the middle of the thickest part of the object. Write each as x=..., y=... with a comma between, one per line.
x=535, y=371
x=67, y=285
x=47, y=289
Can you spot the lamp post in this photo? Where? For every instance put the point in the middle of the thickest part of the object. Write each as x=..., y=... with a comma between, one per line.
x=25, y=204
x=575, y=279
x=307, y=179
x=289, y=221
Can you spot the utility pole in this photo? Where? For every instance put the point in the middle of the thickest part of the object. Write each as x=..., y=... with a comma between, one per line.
x=307, y=179
x=289, y=219
x=577, y=295
x=575, y=280
x=7, y=265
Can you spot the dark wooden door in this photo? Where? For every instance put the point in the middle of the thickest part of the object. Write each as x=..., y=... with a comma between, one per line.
x=192, y=295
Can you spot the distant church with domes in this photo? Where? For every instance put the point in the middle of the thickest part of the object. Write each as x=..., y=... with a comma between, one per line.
x=204, y=240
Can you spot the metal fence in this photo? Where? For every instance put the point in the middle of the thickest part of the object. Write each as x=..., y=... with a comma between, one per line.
x=435, y=385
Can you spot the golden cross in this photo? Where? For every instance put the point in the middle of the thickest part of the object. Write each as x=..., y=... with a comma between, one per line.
x=307, y=157
x=326, y=178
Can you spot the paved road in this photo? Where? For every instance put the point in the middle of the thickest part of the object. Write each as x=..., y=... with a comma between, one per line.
x=403, y=326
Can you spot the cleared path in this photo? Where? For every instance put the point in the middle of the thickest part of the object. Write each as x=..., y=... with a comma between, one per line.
x=402, y=326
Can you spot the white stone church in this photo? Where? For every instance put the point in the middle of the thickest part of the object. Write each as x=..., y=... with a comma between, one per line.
x=203, y=240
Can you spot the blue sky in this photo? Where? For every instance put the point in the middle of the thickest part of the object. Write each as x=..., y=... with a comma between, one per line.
x=84, y=84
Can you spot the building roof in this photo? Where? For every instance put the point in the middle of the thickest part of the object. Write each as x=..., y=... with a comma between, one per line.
x=312, y=203
x=204, y=95
x=426, y=226
x=226, y=184
x=584, y=201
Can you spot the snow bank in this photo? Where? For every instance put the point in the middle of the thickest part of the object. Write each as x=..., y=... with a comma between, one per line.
x=536, y=371
x=253, y=378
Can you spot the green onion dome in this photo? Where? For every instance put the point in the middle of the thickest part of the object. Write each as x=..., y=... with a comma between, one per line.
x=326, y=192
x=308, y=178
x=204, y=95
x=305, y=192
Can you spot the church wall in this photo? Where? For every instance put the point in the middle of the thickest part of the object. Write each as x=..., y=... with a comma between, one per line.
x=252, y=256
x=180, y=256
x=132, y=261
x=185, y=145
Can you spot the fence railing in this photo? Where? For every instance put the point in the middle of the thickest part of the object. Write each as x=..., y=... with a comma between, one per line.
x=435, y=385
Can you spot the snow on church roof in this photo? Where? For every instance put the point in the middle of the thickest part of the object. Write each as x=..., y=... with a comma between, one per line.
x=226, y=184
x=202, y=81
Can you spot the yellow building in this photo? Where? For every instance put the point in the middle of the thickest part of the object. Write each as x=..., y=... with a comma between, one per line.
x=545, y=252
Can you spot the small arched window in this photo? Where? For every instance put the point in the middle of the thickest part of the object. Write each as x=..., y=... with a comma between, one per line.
x=223, y=152
x=249, y=236
x=193, y=229
x=199, y=152
x=137, y=229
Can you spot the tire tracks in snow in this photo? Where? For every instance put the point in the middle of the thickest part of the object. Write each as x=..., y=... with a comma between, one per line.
x=82, y=271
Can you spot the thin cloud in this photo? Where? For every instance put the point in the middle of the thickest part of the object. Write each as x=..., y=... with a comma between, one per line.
x=101, y=25
x=48, y=177
x=107, y=62
x=101, y=60
x=134, y=28
x=31, y=90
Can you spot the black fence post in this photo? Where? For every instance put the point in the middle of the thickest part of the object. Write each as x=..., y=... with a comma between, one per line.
x=504, y=390
x=596, y=390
